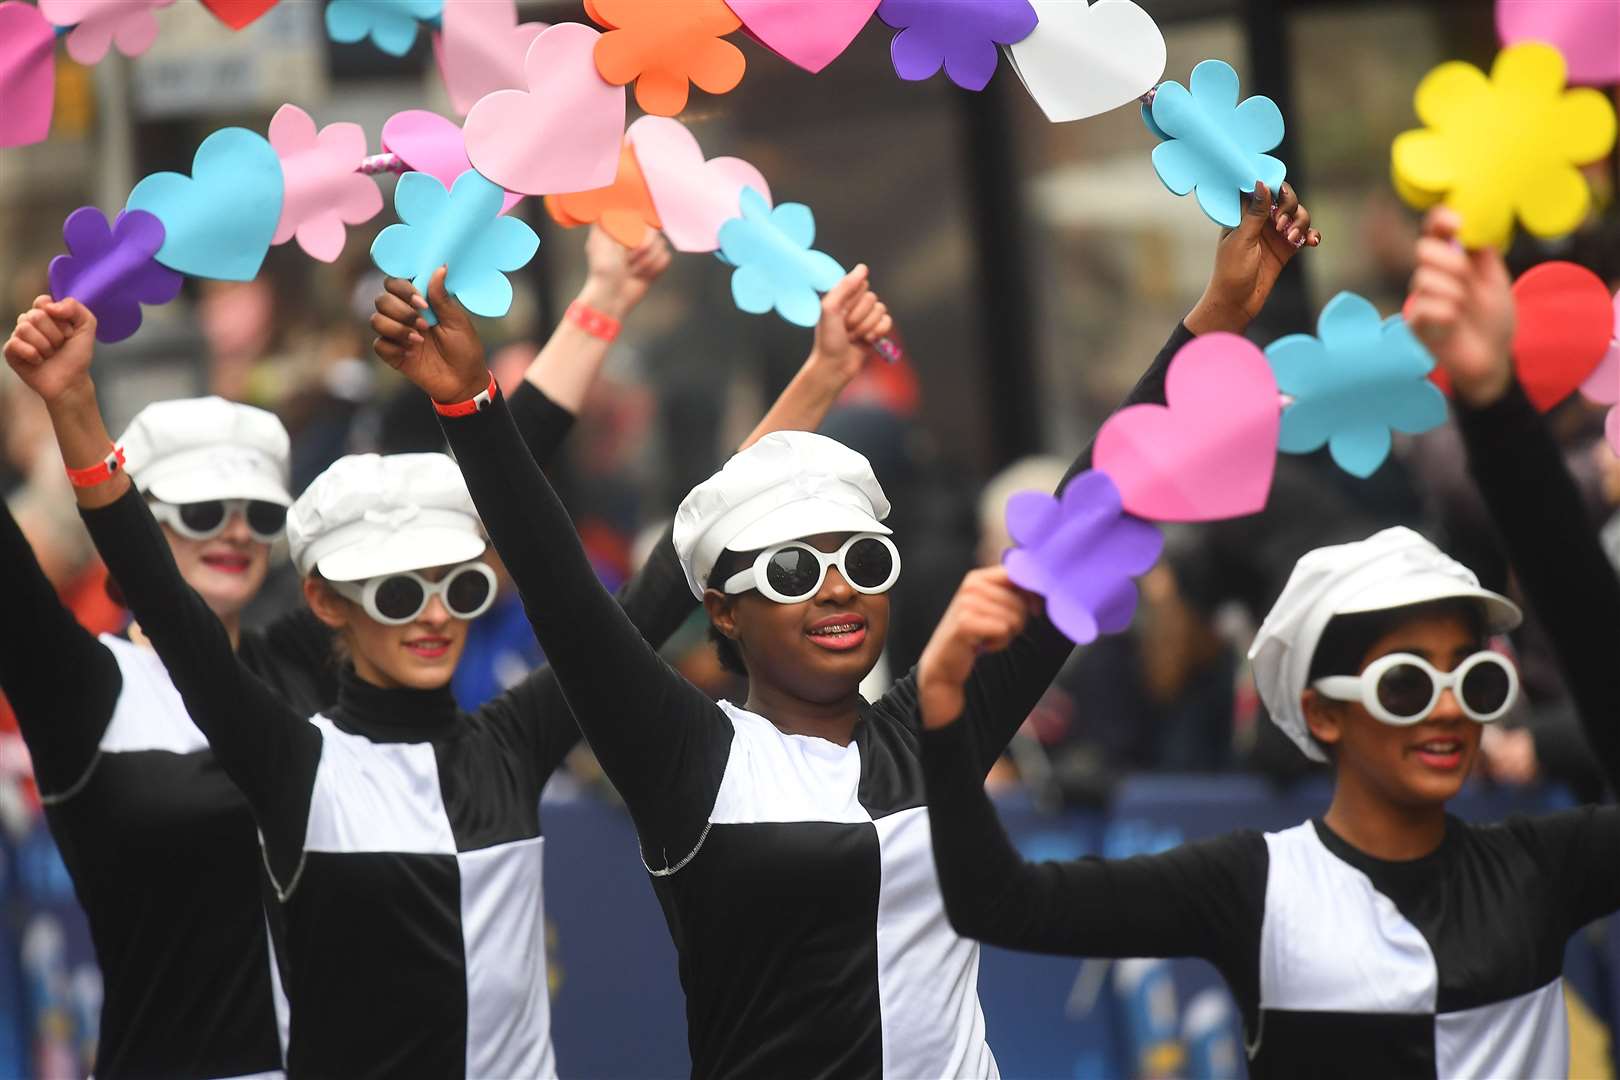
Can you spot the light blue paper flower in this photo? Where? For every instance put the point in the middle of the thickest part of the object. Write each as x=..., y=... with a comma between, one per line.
x=391, y=24
x=462, y=229
x=776, y=267
x=1358, y=379
x=1214, y=144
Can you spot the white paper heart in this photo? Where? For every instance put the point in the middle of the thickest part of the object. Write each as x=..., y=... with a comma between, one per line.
x=1084, y=60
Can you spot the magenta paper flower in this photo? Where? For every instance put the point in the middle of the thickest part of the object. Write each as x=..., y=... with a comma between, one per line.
x=322, y=191
x=959, y=35
x=1080, y=552
x=99, y=24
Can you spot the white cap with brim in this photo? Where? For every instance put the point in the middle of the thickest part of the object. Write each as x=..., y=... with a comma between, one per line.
x=788, y=485
x=1395, y=568
x=369, y=515
x=196, y=449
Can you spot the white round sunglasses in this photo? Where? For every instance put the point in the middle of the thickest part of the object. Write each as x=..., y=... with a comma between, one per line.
x=207, y=519
x=792, y=572
x=396, y=599
x=1403, y=689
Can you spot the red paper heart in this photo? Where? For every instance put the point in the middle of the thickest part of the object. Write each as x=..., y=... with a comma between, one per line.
x=1565, y=324
x=238, y=13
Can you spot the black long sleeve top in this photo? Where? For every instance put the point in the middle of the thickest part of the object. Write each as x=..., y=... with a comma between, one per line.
x=794, y=873
x=1344, y=964
x=160, y=843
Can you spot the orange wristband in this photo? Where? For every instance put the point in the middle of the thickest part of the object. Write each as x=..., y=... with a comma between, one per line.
x=100, y=472
x=593, y=322
x=471, y=405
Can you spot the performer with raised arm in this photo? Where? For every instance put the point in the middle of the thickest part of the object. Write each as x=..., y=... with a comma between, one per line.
x=786, y=837
x=401, y=836
x=1385, y=938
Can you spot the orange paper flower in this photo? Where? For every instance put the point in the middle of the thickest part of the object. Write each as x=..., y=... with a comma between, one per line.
x=661, y=44
x=624, y=208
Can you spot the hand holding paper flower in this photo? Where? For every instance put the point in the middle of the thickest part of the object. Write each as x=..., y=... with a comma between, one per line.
x=1504, y=146
x=1080, y=552
x=462, y=229
x=1214, y=144
x=1360, y=377
x=776, y=267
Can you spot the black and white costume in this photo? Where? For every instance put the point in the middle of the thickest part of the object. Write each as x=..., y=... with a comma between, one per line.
x=1343, y=964
x=794, y=873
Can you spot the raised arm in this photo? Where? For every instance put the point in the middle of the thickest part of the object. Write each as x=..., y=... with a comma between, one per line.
x=1202, y=899
x=63, y=684
x=1462, y=308
x=268, y=750
x=1004, y=686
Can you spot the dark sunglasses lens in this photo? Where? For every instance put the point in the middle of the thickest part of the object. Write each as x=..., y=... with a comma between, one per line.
x=1405, y=690
x=1485, y=688
x=868, y=563
x=399, y=597
x=266, y=518
x=793, y=572
x=467, y=592
x=203, y=516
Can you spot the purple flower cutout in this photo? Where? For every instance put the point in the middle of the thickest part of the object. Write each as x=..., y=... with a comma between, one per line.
x=961, y=35
x=1080, y=552
x=111, y=271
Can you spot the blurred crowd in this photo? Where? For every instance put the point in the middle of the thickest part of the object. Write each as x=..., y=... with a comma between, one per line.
x=1171, y=694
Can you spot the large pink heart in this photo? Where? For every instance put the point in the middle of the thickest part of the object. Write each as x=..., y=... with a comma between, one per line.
x=27, y=74
x=1587, y=32
x=321, y=192
x=809, y=35
x=561, y=135
x=693, y=197
x=1210, y=452
x=481, y=49
x=429, y=143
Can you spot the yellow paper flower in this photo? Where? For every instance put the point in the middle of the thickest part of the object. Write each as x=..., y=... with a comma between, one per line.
x=1504, y=146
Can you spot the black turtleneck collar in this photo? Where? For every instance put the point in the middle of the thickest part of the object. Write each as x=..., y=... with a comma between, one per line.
x=393, y=715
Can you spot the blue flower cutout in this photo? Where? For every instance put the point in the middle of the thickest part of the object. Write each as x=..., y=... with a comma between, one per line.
x=776, y=267
x=1213, y=143
x=1358, y=379
x=391, y=24
x=1080, y=552
x=462, y=229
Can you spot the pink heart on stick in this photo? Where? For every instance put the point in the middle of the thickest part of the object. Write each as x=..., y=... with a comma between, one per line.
x=27, y=74
x=693, y=197
x=809, y=35
x=481, y=49
x=563, y=133
x=1210, y=452
x=429, y=143
x=322, y=193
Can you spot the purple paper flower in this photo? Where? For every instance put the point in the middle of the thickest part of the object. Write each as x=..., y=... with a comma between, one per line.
x=961, y=35
x=1080, y=553
x=112, y=271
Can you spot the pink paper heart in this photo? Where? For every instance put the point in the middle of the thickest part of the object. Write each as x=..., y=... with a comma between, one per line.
x=693, y=197
x=429, y=143
x=322, y=193
x=809, y=35
x=1210, y=452
x=27, y=74
x=481, y=49
x=98, y=24
x=563, y=133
